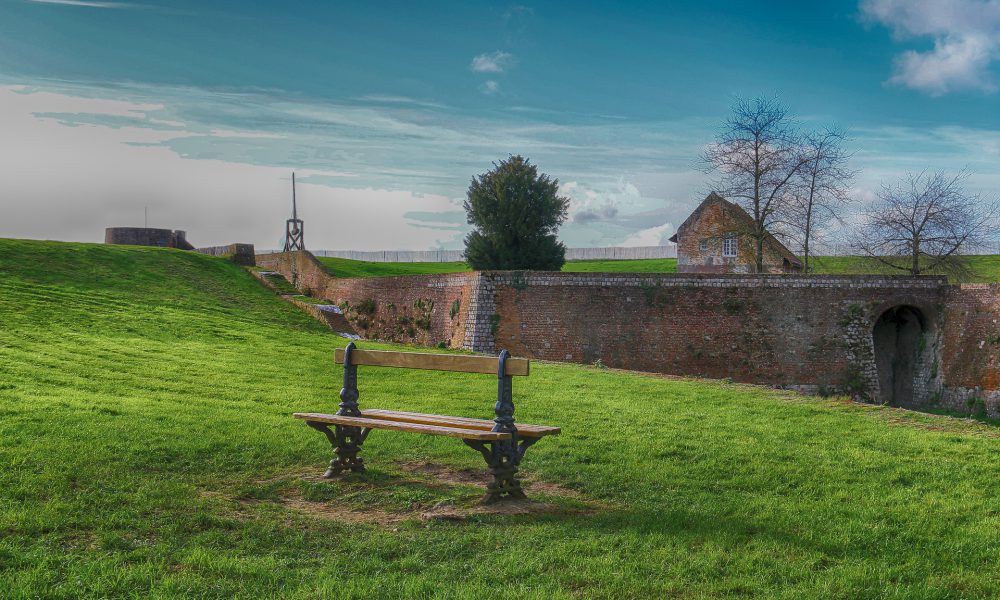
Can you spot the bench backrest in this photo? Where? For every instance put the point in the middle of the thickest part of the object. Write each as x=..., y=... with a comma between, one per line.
x=503, y=366
x=435, y=362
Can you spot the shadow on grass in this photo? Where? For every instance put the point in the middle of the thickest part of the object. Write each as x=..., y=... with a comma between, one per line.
x=417, y=490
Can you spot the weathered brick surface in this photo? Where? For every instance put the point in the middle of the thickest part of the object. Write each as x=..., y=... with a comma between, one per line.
x=417, y=309
x=805, y=332
x=971, y=348
x=777, y=330
x=241, y=254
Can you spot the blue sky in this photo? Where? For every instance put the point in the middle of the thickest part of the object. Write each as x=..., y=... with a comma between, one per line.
x=200, y=110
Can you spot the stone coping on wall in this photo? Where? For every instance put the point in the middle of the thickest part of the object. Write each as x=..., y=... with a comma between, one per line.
x=541, y=278
x=627, y=279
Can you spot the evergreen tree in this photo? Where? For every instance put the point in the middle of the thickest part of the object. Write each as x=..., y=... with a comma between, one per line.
x=516, y=212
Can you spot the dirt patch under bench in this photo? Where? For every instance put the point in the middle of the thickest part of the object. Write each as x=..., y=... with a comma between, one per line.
x=458, y=484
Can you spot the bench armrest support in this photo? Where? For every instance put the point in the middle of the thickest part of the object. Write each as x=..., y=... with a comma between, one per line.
x=504, y=407
x=349, y=393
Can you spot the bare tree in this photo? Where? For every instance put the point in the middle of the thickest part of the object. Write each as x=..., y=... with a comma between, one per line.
x=820, y=189
x=924, y=223
x=757, y=154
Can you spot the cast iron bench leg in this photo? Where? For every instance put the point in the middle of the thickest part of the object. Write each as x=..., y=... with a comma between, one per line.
x=346, y=442
x=502, y=458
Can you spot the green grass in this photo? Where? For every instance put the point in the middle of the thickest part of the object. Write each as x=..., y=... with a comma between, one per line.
x=343, y=267
x=146, y=450
x=651, y=265
x=983, y=269
x=281, y=285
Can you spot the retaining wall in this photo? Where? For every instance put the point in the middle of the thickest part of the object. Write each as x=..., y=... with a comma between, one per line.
x=971, y=349
x=418, y=309
x=813, y=333
x=241, y=254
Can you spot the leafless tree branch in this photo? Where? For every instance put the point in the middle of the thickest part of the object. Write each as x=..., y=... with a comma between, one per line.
x=757, y=157
x=820, y=191
x=925, y=223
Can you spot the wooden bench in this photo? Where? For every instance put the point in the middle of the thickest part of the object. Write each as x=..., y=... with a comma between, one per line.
x=500, y=441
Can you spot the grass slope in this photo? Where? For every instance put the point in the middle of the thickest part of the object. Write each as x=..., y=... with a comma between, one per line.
x=343, y=267
x=983, y=269
x=146, y=449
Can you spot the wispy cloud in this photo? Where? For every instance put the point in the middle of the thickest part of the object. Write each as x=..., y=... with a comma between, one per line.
x=86, y=3
x=389, y=99
x=492, y=62
x=115, y=145
x=601, y=213
x=653, y=236
x=515, y=22
x=490, y=87
x=966, y=37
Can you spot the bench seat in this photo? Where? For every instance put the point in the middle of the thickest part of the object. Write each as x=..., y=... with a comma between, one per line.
x=523, y=429
x=362, y=422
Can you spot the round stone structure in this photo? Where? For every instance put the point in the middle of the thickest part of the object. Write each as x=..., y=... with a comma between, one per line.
x=147, y=236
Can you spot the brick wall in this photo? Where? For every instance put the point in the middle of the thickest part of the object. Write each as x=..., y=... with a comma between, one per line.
x=806, y=332
x=241, y=254
x=971, y=349
x=812, y=332
x=417, y=309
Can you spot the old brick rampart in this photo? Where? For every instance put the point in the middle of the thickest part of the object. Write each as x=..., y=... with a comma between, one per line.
x=807, y=332
x=971, y=348
x=417, y=309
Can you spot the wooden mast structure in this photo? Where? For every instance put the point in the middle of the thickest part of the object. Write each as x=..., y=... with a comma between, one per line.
x=294, y=226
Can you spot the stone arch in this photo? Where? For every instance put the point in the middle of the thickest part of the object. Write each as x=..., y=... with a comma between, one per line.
x=900, y=339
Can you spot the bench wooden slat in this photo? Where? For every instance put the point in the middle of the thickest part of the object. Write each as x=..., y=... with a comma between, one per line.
x=523, y=429
x=436, y=362
x=457, y=432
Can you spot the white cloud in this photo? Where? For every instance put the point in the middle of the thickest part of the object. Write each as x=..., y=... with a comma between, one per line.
x=492, y=62
x=85, y=3
x=954, y=64
x=70, y=182
x=654, y=236
x=390, y=99
x=217, y=164
x=966, y=36
x=588, y=203
x=490, y=87
x=226, y=133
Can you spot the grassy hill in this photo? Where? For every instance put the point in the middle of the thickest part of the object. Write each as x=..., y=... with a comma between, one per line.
x=982, y=268
x=147, y=450
x=343, y=267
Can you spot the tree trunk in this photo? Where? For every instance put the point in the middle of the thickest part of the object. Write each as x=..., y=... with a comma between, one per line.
x=809, y=214
x=760, y=251
x=805, y=244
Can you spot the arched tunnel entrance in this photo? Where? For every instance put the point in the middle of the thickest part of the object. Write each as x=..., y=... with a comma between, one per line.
x=899, y=343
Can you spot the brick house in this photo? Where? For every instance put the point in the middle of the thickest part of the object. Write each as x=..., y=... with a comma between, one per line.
x=716, y=239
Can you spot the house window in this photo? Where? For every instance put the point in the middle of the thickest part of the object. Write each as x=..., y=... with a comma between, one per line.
x=703, y=245
x=729, y=246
